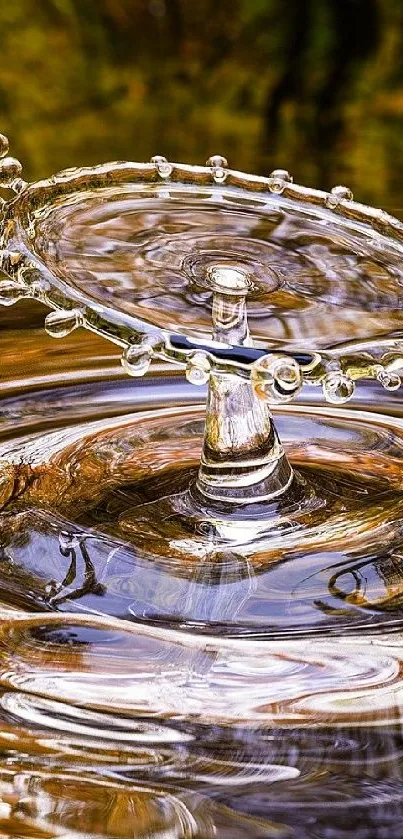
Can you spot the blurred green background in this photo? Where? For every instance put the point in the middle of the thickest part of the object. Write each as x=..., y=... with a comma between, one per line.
x=315, y=86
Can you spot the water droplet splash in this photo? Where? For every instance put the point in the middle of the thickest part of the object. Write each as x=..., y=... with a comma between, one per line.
x=201, y=618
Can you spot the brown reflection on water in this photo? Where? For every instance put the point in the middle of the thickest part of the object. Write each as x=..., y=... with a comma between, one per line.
x=29, y=355
x=152, y=727
x=82, y=756
x=131, y=705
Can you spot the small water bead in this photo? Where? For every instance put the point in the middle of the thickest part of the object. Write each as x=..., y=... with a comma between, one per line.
x=276, y=379
x=198, y=369
x=136, y=359
x=337, y=387
x=61, y=322
x=162, y=166
x=218, y=165
x=3, y=145
x=10, y=170
x=389, y=381
x=337, y=194
x=279, y=179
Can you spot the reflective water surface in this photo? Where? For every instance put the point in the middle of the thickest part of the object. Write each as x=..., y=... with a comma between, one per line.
x=163, y=675
x=146, y=249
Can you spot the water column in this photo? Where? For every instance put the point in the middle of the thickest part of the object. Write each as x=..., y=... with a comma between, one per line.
x=243, y=461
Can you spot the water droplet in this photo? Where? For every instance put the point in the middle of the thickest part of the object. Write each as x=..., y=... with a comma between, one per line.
x=218, y=165
x=283, y=174
x=343, y=191
x=337, y=387
x=11, y=292
x=198, y=369
x=10, y=169
x=162, y=166
x=136, y=359
x=337, y=194
x=3, y=145
x=60, y=323
x=390, y=381
x=276, y=378
x=279, y=179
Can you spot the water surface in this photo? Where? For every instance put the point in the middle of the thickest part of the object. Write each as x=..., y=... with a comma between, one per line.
x=154, y=682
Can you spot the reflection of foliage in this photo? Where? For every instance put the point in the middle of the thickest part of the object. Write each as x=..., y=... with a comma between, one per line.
x=99, y=79
x=75, y=572
x=375, y=584
x=90, y=584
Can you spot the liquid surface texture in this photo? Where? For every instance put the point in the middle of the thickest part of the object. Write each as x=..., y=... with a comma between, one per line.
x=145, y=251
x=168, y=667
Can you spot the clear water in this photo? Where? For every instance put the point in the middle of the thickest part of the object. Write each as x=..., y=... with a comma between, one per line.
x=144, y=250
x=159, y=678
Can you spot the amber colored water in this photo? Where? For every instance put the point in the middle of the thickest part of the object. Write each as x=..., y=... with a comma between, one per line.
x=173, y=671
x=151, y=688
x=176, y=697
